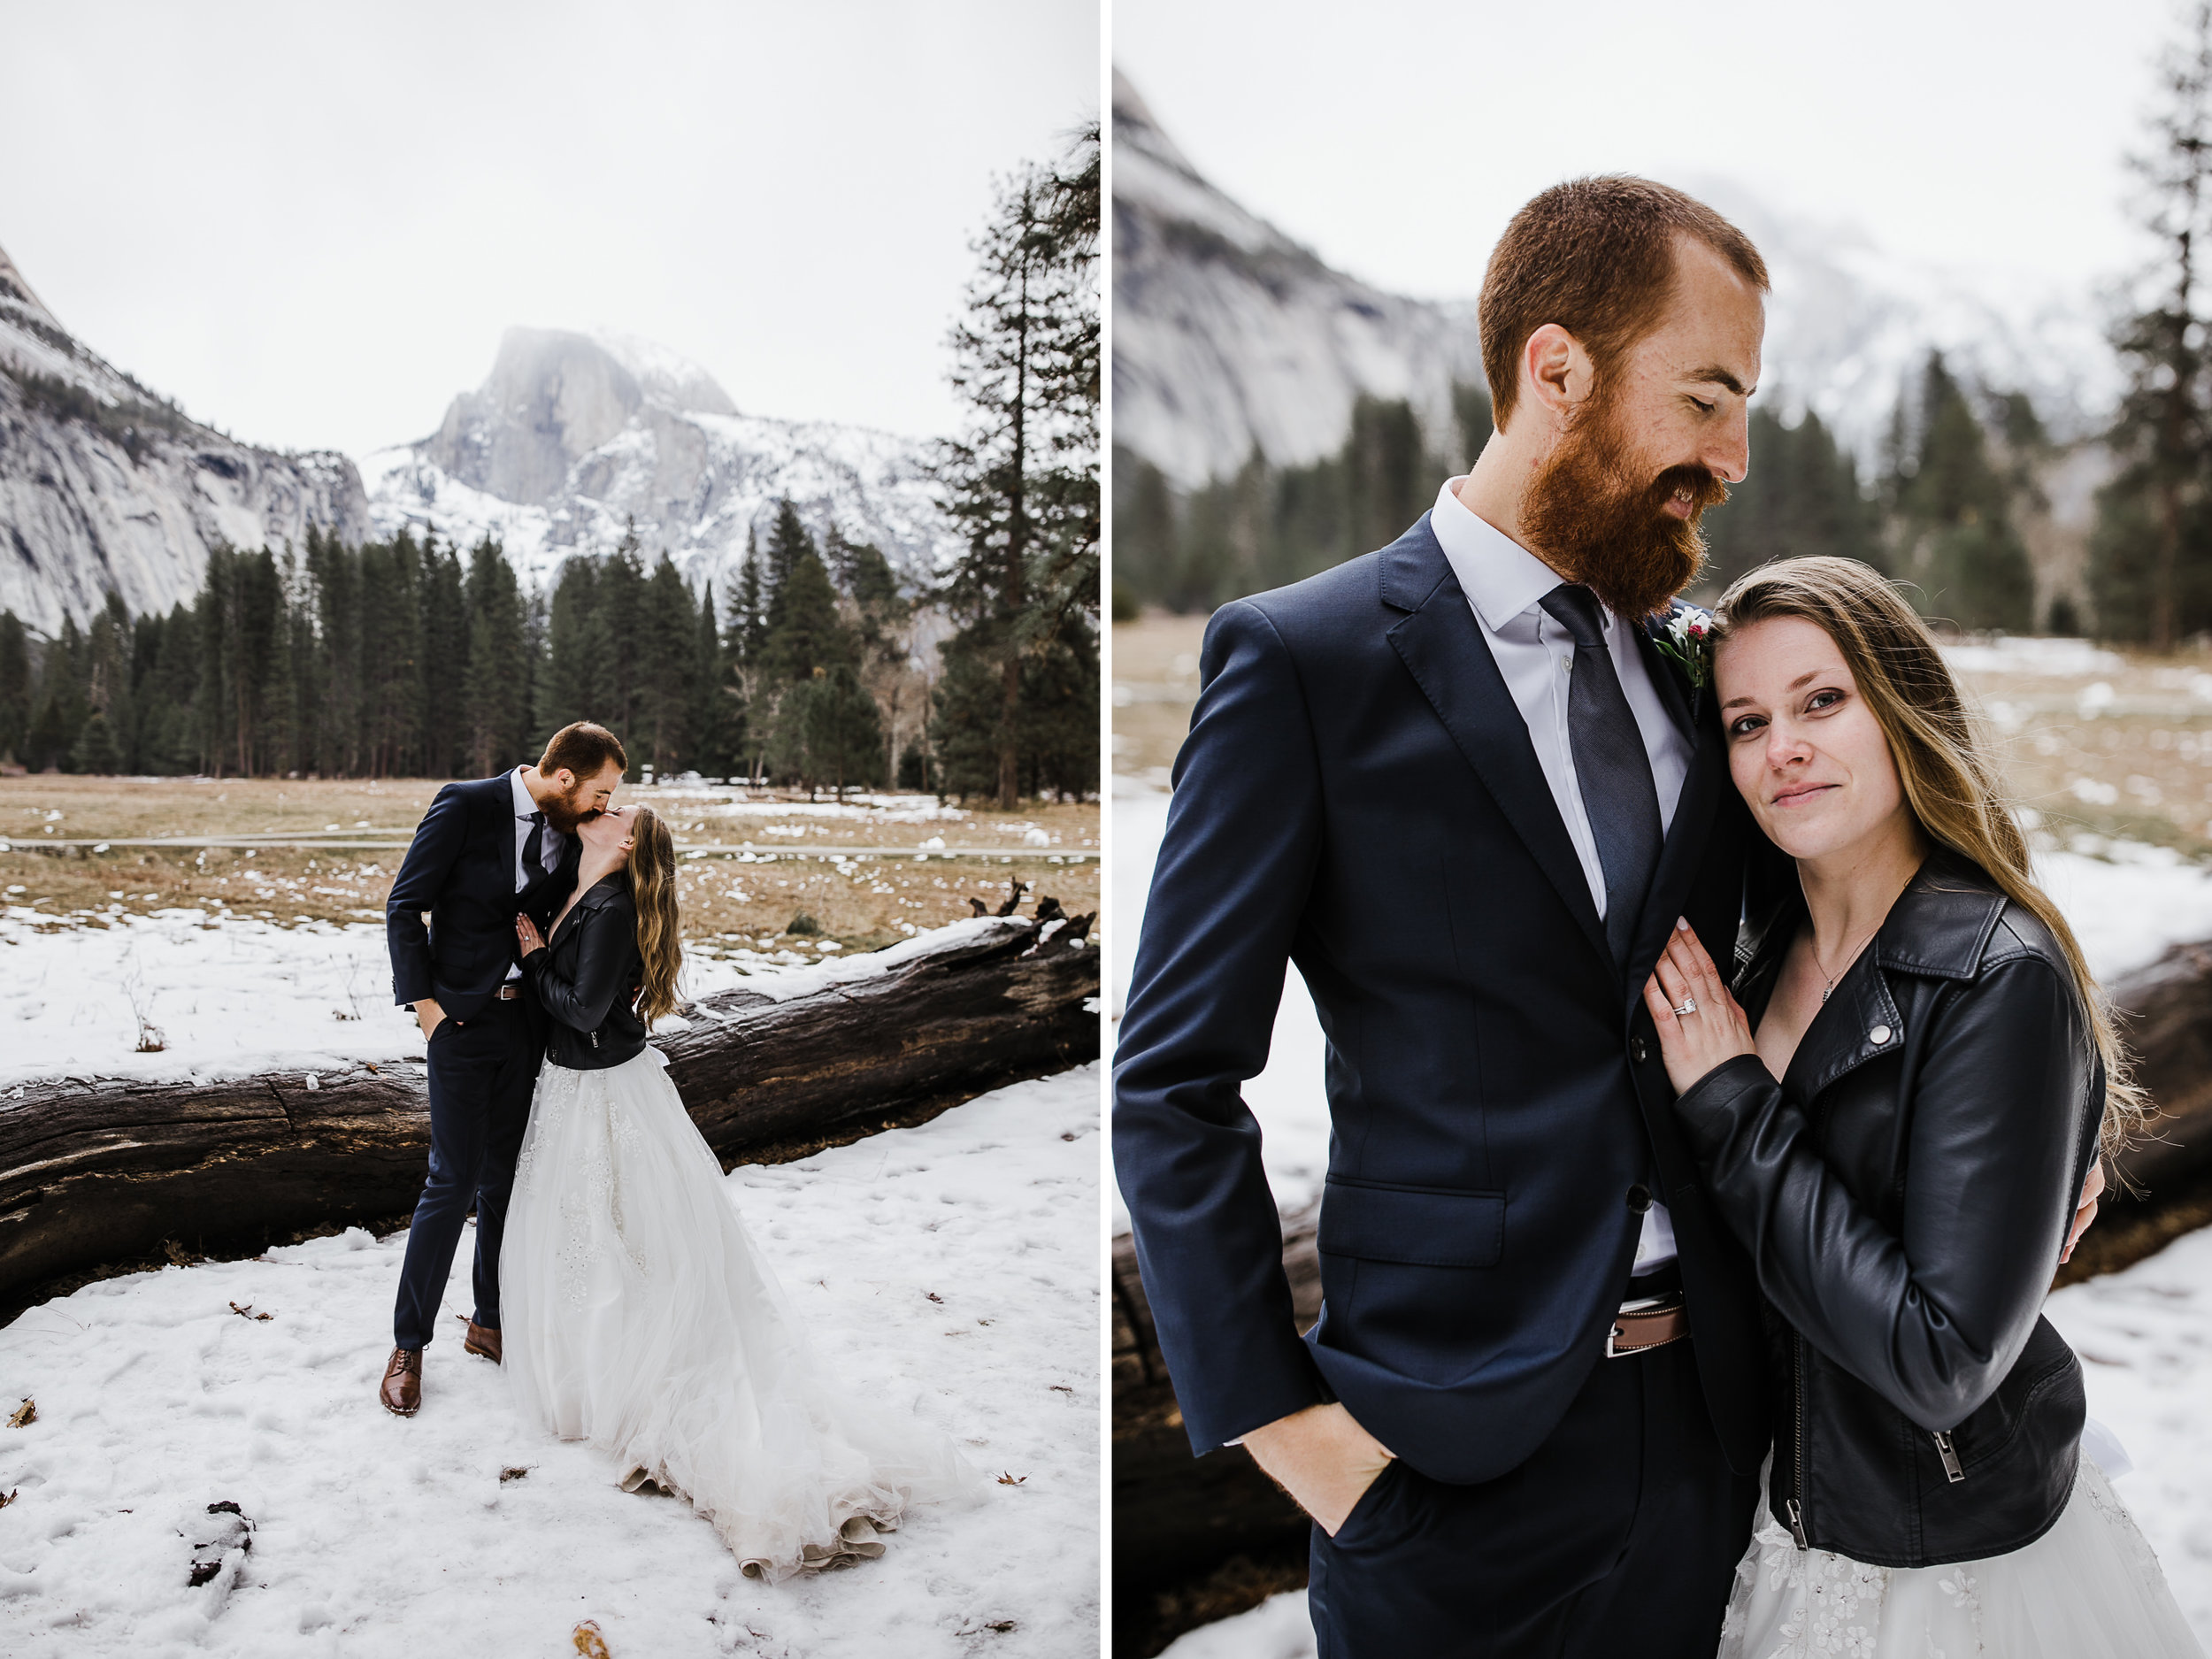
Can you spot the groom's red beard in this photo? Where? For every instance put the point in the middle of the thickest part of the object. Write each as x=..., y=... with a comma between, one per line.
x=1591, y=517
x=564, y=812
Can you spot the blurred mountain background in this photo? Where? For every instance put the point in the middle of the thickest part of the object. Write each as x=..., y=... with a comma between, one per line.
x=1970, y=430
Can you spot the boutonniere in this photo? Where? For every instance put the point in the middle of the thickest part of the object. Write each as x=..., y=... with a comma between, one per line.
x=1688, y=636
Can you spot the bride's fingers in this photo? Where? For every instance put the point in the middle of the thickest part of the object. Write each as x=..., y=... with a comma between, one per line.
x=1661, y=1010
x=1672, y=982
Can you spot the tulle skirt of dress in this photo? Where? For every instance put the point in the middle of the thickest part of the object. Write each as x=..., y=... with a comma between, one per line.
x=637, y=1315
x=2089, y=1588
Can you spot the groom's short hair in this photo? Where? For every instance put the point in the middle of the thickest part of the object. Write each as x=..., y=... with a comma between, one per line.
x=1596, y=257
x=582, y=747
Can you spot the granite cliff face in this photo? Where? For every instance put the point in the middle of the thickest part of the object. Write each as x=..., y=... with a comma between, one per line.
x=105, y=488
x=1229, y=337
x=574, y=439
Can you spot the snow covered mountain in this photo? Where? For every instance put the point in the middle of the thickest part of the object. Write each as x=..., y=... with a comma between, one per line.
x=575, y=437
x=105, y=488
x=1229, y=336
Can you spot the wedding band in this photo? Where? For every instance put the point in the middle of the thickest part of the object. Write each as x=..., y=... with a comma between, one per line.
x=1689, y=1006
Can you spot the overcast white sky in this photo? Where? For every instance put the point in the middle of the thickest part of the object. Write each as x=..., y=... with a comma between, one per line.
x=1396, y=137
x=311, y=223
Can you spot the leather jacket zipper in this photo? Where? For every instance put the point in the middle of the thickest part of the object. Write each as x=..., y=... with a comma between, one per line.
x=594, y=1038
x=1797, y=1471
x=1952, y=1470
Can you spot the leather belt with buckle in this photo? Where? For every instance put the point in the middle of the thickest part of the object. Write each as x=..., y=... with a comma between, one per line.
x=508, y=993
x=1649, y=1323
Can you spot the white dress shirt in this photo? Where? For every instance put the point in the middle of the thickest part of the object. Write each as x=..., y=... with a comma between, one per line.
x=549, y=850
x=1504, y=582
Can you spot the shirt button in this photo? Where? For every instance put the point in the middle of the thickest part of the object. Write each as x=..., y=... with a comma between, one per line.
x=1878, y=1036
x=1639, y=1198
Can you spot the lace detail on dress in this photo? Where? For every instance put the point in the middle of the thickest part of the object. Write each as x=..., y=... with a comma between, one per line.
x=2089, y=1588
x=2142, y=1558
x=1835, y=1604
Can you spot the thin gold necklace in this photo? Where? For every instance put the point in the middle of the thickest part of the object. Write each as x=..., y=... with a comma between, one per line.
x=1830, y=978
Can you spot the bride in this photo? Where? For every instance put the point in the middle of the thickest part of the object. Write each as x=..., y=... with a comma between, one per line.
x=1894, y=1106
x=638, y=1315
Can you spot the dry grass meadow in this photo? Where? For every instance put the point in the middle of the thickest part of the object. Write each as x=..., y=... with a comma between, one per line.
x=753, y=861
x=2096, y=743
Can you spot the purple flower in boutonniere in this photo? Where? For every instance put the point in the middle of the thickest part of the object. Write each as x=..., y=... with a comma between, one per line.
x=1687, y=635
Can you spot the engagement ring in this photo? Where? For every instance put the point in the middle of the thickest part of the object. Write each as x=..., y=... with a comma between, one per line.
x=1689, y=1006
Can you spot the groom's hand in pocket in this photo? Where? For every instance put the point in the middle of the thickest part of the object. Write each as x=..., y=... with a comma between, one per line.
x=429, y=1015
x=1322, y=1458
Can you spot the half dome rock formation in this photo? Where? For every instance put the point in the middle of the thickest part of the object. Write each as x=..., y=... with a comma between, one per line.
x=576, y=438
x=106, y=488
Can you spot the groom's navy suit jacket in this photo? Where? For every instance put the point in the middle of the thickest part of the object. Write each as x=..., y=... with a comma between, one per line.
x=1359, y=795
x=460, y=871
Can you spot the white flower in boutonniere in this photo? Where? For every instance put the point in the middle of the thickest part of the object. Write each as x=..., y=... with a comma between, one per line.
x=1687, y=637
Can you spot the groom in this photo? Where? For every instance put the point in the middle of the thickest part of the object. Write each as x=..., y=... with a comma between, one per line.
x=485, y=852
x=1462, y=786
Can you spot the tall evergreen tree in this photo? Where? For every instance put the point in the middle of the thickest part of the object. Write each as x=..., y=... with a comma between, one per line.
x=452, y=722
x=1021, y=481
x=495, y=688
x=15, y=687
x=1956, y=508
x=2151, y=551
x=668, y=675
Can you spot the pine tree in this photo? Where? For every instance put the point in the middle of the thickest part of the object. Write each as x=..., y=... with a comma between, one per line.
x=495, y=687
x=667, y=677
x=2151, y=551
x=789, y=542
x=451, y=722
x=1022, y=482
x=1957, y=508
x=843, y=733
x=96, y=751
x=806, y=633
x=15, y=687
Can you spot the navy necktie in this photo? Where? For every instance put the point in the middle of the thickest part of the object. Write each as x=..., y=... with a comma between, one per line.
x=533, y=853
x=1612, y=767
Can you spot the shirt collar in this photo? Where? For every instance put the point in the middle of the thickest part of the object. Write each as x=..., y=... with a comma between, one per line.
x=524, y=806
x=1501, y=579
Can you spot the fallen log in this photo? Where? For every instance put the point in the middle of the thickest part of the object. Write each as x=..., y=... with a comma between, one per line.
x=2166, y=1014
x=105, y=1170
x=1177, y=1518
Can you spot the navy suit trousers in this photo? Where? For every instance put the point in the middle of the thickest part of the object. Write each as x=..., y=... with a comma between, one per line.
x=1620, y=1535
x=482, y=1074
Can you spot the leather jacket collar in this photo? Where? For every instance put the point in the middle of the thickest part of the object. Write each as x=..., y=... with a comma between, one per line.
x=1937, y=929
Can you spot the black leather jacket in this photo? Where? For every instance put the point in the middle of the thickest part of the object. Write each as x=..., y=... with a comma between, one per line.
x=587, y=977
x=1906, y=1190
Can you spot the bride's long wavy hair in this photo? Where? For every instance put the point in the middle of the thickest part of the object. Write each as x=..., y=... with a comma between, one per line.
x=1943, y=760
x=660, y=936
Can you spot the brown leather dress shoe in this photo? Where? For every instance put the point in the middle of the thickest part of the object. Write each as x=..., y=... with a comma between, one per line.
x=481, y=1339
x=401, y=1392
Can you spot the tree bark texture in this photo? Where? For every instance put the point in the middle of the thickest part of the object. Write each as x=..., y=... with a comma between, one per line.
x=1176, y=1517
x=99, y=1171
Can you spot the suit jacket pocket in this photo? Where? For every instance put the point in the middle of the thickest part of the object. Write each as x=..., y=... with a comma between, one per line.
x=1417, y=1226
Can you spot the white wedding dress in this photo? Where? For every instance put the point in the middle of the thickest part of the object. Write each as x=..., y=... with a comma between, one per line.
x=2089, y=1588
x=638, y=1316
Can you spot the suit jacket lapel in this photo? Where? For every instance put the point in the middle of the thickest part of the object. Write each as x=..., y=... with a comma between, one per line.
x=1666, y=680
x=1445, y=652
x=1685, y=846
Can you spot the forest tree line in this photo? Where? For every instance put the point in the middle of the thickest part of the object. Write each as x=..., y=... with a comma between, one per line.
x=401, y=658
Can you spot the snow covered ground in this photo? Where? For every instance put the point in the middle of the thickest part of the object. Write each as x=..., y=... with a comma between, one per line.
x=952, y=1269
x=231, y=996
x=2145, y=1337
